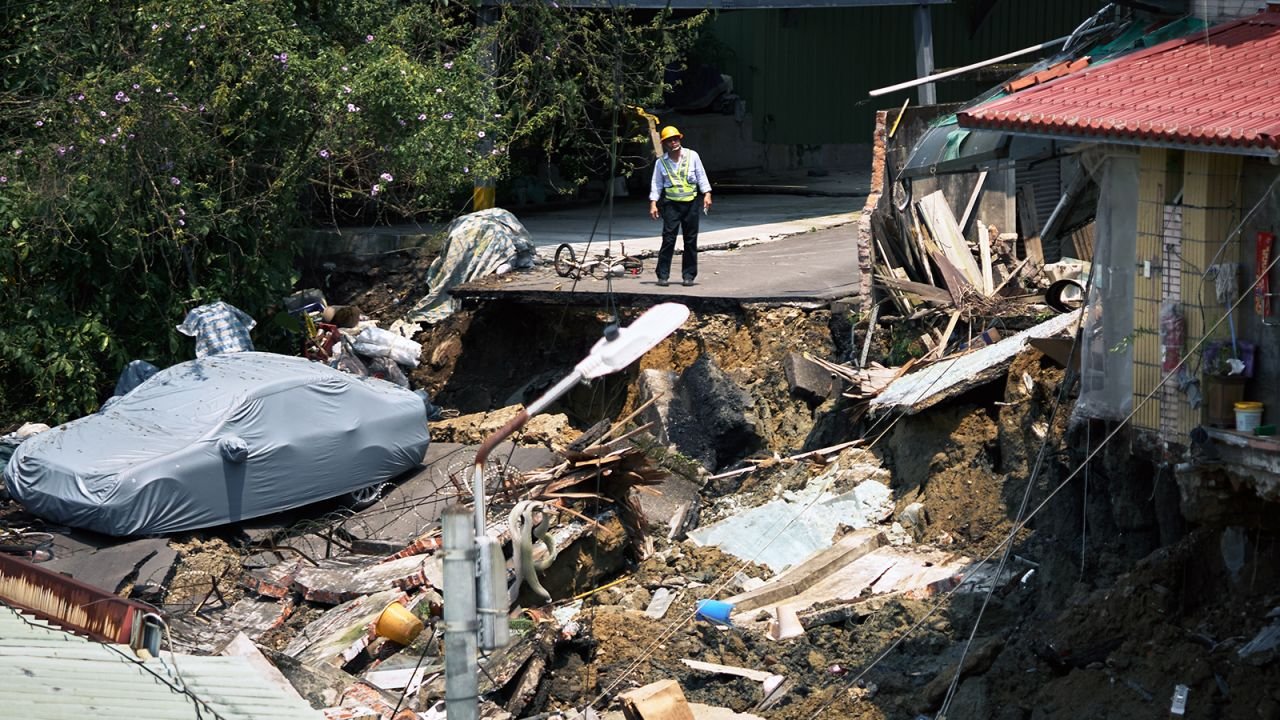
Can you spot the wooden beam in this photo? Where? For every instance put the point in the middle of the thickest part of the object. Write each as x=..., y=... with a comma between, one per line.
x=1030, y=224
x=984, y=250
x=967, y=215
x=937, y=216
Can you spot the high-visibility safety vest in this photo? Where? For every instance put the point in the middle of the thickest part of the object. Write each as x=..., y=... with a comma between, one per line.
x=682, y=188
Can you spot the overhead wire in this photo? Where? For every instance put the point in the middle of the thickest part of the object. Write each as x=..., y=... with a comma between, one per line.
x=726, y=576
x=1022, y=523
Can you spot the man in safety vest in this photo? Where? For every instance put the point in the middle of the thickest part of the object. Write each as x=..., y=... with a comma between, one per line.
x=678, y=180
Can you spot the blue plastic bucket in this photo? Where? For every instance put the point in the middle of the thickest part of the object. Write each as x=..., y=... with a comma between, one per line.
x=716, y=611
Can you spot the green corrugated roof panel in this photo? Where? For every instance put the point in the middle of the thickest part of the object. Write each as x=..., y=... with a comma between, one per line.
x=49, y=674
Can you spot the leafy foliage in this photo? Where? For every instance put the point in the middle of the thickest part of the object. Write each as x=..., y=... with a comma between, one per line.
x=158, y=155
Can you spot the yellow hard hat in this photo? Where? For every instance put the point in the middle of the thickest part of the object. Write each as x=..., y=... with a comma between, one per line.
x=669, y=132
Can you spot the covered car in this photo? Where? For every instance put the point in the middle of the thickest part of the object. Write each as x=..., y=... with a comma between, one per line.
x=217, y=440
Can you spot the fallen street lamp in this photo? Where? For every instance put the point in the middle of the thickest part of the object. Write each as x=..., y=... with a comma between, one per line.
x=475, y=577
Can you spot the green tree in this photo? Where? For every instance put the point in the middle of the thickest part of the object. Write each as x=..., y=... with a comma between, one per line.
x=162, y=154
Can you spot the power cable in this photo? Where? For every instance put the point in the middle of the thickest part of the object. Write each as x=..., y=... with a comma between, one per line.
x=1021, y=524
x=726, y=576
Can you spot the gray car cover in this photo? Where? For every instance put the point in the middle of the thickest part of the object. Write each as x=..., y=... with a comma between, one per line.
x=217, y=440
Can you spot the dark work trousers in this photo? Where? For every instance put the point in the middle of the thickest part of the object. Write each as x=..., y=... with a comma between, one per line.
x=683, y=217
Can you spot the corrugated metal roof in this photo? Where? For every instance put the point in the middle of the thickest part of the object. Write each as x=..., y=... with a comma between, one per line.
x=50, y=674
x=1210, y=90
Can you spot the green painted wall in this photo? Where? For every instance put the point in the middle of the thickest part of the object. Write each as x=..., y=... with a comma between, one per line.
x=805, y=73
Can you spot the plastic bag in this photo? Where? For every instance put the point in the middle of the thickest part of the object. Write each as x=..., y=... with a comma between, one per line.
x=375, y=342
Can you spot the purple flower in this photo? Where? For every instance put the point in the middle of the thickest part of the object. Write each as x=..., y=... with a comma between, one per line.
x=448, y=65
x=17, y=153
x=121, y=97
x=324, y=154
x=465, y=169
x=4, y=179
x=402, y=123
x=102, y=141
x=352, y=108
x=174, y=181
x=62, y=150
x=448, y=116
x=136, y=86
x=346, y=90
x=130, y=136
x=181, y=221
x=182, y=212
x=368, y=38
x=39, y=123
x=282, y=58
x=345, y=68
x=422, y=116
x=480, y=134
x=375, y=190
x=386, y=177
x=102, y=113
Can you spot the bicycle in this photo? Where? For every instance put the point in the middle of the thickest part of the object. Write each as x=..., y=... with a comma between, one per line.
x=600, y=266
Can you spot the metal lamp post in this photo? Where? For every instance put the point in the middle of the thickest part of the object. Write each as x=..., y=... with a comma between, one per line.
x=475, y=587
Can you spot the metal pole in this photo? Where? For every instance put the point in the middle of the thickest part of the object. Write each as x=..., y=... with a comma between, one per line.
x=962, y=70
x=461, y=666
x=924, y=53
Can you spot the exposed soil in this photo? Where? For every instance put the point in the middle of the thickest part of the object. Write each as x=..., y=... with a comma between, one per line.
x=1129, y=597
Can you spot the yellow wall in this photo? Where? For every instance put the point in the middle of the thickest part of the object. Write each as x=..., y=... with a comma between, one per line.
x=1210, y=210
x=1153, y=182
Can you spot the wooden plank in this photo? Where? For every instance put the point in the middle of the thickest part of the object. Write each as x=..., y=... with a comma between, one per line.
x=1030, y=223
x=967, y=215
x=984, y=249
x=946, y=335
x=941, y=223
x=928, y=293
x=954, y=279
x=918, y=239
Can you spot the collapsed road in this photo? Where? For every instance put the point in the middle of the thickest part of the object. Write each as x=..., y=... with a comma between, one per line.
x=873, y=562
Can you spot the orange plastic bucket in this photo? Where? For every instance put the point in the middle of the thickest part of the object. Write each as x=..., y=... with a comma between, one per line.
x=397, y=624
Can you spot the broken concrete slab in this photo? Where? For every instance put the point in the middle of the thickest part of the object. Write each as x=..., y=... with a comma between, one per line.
x=242, y=646
x=110, y=564
x=785, y=531
x=412, y=507
x=660, y=603
x=806, y=574
x=954, y=376
x=248, y=616
x=337, y=580
x=882, y=571
x=807, y=378
x=340, y=634
x=662, y=700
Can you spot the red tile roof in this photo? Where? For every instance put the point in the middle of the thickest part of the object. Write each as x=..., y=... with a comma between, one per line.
x=1216, y=89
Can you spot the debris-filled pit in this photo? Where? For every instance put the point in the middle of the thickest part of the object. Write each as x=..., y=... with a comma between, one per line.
x=868, y=543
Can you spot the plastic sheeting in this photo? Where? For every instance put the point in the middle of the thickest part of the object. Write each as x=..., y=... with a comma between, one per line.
x=217, y=440
x=481, y=243
x=1106, y=360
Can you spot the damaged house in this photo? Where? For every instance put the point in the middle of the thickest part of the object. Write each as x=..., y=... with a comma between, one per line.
x=1181, y=140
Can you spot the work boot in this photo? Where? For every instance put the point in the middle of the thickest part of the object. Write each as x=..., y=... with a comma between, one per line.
x=662, y=282
x=687, y=283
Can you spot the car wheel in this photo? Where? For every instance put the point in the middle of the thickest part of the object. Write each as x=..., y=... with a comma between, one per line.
x=365, y=496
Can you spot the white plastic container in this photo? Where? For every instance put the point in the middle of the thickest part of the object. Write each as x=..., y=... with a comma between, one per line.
x=1248, y=416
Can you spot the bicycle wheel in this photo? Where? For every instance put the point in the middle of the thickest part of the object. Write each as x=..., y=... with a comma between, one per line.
x=566, y=261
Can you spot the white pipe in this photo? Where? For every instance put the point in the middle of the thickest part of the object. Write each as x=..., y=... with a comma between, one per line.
x=958, y=71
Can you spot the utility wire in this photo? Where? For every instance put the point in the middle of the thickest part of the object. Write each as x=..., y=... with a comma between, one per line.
x=1021, y=524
